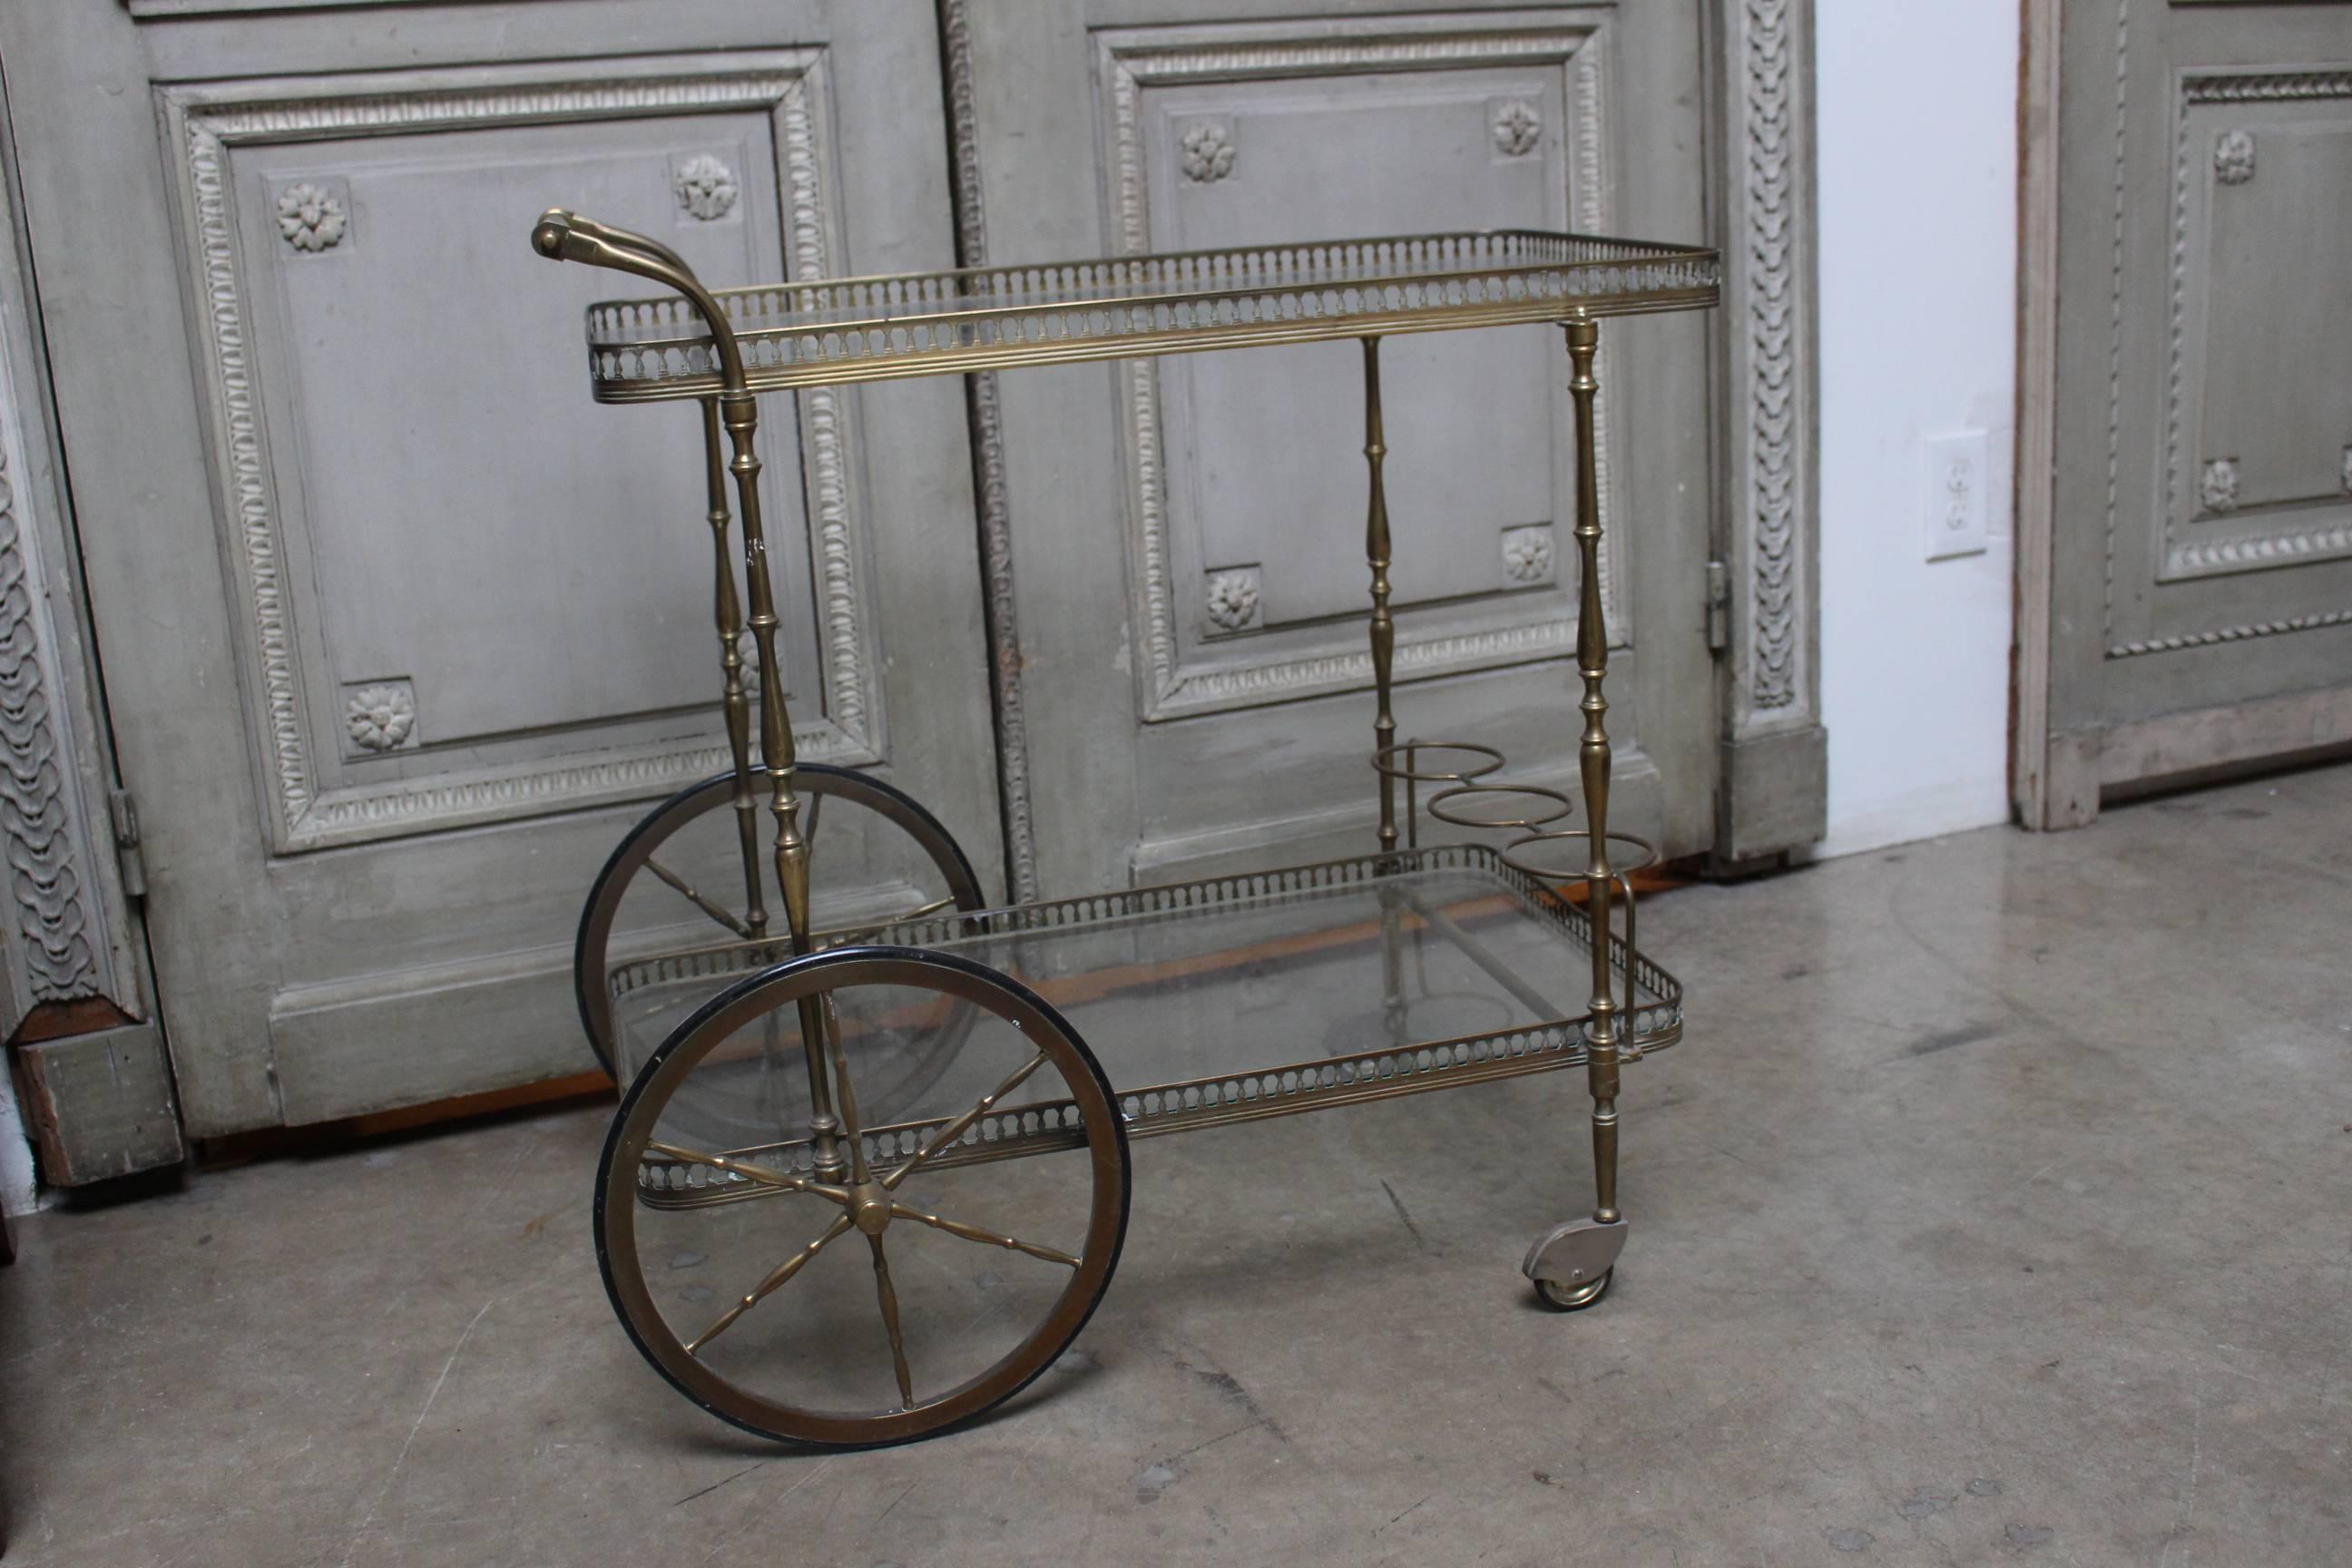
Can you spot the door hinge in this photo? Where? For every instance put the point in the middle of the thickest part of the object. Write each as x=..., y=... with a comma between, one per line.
x=123, y=813
x=1718, y=606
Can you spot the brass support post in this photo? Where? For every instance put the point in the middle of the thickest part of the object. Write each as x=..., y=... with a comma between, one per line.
x=567, y=236
x=739, y=411
x=736, y=704
x=1376, y=552
x=1592, y=758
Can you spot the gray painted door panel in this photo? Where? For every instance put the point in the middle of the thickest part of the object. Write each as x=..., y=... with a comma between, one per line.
x=1205, y=517
x=400, y=632
x=2202, y=532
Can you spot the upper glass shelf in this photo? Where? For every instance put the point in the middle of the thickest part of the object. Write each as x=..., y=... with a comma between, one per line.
x=943, y=324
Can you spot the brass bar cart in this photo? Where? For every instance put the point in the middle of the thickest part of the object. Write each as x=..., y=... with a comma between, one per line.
x=798, y=1068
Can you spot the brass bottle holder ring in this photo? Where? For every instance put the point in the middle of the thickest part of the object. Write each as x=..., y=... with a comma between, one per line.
x=1557, y=805
x=1516, y=860
x=1485, y=760
x=1384, y=761
x=1629, y=1044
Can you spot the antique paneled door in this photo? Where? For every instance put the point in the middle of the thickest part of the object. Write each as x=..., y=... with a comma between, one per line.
x=2190, y=358
x=399, y=631
x=1187, y=606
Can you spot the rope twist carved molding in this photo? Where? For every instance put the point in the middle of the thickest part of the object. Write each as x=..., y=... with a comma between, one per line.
x=207, y=129
x=1773, y=306
x=2231, y=634
x=51, y=914
x=2267, y=87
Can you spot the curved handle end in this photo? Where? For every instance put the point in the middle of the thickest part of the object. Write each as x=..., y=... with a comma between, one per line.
x=552, y=235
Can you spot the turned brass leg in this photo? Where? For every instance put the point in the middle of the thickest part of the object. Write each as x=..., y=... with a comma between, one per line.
x=1592, y=757
x=1376, y=552
x=739, y=411
x=736, y=704
x=1571, y=1265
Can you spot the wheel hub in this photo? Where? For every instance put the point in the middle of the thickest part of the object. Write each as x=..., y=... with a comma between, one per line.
x=869, y=1207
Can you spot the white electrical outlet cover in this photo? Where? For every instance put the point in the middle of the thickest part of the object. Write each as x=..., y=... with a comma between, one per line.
x=1956, y=510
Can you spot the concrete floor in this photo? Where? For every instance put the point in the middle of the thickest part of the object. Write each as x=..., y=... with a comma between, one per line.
x=1999, y=1206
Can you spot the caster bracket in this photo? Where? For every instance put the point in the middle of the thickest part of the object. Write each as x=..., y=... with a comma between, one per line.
x=1575, y=1253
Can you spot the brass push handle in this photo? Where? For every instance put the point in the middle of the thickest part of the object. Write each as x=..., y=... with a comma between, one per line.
x=562, y=236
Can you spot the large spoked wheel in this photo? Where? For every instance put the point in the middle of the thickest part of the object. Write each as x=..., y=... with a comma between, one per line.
x=924, y=1267
x=677, y=880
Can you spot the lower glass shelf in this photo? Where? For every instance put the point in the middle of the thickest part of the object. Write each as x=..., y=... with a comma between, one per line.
x=1265, y=992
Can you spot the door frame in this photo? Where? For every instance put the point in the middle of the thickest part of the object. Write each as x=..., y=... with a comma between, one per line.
x=72, y=934
x=1773, y=750
x=2039, y=802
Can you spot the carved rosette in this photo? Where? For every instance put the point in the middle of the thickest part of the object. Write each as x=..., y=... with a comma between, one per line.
x=1528, y=554
x=1232, y=598
x=1208, y=152
x=1517, y=128
x=705, y=186
x=2234, y=157
x=310, y=217
x=2218, y=485
x=380, y=718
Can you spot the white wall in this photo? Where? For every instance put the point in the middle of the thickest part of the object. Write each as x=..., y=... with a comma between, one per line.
x=1918, y=139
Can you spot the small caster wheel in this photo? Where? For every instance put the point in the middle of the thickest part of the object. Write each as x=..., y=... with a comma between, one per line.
x=1562, y=1298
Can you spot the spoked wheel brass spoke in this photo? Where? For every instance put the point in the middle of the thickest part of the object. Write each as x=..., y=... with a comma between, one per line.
x=985, y=1236
x=686, y=889
x=851, y=1128
x=768, y=1287
x=760, y=1173
x=890, y=1299
x=956, y=1129
x=870, y=1212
